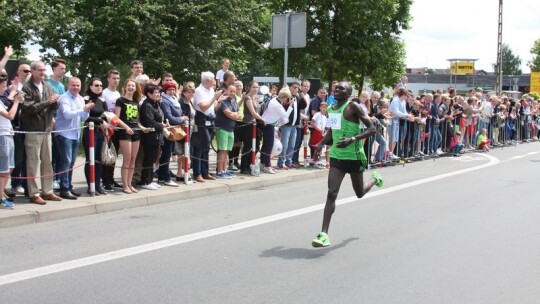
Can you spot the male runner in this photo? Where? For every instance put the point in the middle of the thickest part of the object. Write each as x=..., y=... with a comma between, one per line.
x=346, y=155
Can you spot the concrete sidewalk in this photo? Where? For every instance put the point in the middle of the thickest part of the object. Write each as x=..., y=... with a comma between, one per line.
x=26, y=213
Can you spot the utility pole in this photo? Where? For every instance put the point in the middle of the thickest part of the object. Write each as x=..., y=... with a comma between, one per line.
x=499, y=71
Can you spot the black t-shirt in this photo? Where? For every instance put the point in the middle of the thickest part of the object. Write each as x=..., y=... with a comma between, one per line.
x=129, y=110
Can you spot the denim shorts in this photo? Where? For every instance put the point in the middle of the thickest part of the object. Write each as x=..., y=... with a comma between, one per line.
x=7, y=153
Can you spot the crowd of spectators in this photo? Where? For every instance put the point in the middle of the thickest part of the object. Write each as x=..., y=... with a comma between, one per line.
x=42, y=124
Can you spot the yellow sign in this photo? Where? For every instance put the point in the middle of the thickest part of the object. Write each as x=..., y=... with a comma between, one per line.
x=462, y=67
x=535, y=82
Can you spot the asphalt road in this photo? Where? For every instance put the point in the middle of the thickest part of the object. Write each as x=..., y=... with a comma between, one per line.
x=451, y=230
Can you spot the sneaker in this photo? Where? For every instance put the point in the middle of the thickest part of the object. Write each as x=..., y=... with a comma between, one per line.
x=378, y=177
x=170, y=184
x=222, y=175
x=56, y=185
x=149, y=187
x=18, y=190
x=439, y=151
x=268, y=170
x=230, y=174
x=108, y=188
x=321, y=240
x=391, y=156
x=117, y=185
x=4, y=203
x=156, y=185
x=232, y=168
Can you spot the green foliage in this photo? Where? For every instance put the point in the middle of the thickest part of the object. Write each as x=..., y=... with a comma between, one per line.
x=511, y=63
x=18, y=18
x=534, y=63
x=351, y=39
x=348, y=40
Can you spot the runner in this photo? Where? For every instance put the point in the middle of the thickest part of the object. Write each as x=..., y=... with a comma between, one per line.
x=346, y=155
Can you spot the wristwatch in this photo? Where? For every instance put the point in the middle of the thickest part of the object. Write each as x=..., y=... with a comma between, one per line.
x=353, y=138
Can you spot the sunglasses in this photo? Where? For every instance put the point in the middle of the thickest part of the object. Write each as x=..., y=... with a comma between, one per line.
x=26, y=71
x=98, y=85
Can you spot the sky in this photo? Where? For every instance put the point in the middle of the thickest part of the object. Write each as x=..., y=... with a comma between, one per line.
x=442, y=30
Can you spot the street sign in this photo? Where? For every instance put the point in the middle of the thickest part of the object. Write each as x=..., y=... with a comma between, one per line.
x=296, y=32
x=462, y=68
x=535, y=82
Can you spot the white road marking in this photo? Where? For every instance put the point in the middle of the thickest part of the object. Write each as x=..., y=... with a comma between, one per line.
x=117, y=254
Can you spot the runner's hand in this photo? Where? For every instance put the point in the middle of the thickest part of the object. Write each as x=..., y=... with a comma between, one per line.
x=344, y=142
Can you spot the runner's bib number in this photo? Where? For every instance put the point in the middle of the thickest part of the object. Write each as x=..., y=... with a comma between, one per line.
x=334, y=120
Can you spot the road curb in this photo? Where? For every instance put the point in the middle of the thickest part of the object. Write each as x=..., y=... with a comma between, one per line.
x=95, y=205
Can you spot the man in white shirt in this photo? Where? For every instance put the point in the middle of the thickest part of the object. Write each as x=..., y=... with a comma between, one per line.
x=204, y=103
x=110, y=95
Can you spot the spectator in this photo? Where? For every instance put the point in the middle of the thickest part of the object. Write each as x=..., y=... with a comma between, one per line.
x=274, y=115
x=110, y=95
x=252, y=110
x=187, y=111
x=483, y=141
x=59, y=71
x=379, y=120
x=36, y=116
x=136, y=68
x=8, y=51
x=7, y=146
x=303, y=119
x=225, y=63
x=234, y=155
x=127, y=109
x=314, y=106
x=398, y=111
x=318, y=124
x=172, y=112
x=18, y=185
x=227, y=114
x=203, y=102
x=93, y=96
x=71, y=113
x=288, y=130
x=456, y=146
x=151, y=120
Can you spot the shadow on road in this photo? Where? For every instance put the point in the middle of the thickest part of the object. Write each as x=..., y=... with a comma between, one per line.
x=302, y=253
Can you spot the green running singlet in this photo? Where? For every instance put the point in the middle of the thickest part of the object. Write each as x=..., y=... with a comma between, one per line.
x=344, y=128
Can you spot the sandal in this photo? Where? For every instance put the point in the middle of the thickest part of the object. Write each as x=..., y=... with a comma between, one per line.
x=127, y=191
x=133, y=189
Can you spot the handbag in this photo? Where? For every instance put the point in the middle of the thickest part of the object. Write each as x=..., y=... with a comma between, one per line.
x=176, y=133
x=108, y=152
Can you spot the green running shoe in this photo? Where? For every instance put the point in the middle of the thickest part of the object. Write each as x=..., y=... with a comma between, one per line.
x=378, y=177
x=321, y=240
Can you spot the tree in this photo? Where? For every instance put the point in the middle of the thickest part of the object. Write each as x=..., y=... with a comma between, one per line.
x=511, y=63
x=534, y=63
x=182, y=37
x=348, y=40
x=18, y=20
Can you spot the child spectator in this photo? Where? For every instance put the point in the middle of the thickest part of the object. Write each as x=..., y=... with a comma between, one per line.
x=318, y=123
x=483, y=142
x=456, y=146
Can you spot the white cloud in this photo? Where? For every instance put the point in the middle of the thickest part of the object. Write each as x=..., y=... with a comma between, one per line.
x=468, y=29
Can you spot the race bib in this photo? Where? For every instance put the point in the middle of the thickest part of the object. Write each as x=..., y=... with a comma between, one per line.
x=334, y=120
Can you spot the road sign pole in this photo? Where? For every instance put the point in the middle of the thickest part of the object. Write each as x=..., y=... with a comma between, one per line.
x=286, y=50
